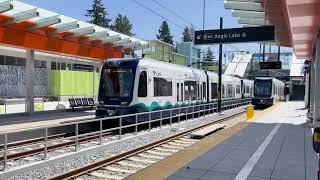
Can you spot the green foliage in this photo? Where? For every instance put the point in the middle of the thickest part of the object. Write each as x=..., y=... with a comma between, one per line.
x=164, y=33
x=122, y=25
x=98, y=14
x=209, y=59
x=1, y=109
x=188, y=34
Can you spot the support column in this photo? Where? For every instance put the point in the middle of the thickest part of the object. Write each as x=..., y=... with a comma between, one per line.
x=312, y=87
x=93, y=78
x=316, y=114
x=49, y=75
x=306, y=90
x=29, y=81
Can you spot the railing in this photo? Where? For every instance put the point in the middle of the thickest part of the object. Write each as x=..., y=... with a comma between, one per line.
x=169, y=114
x=41, y=103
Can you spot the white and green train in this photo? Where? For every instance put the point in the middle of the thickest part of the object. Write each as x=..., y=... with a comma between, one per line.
x=130, y=86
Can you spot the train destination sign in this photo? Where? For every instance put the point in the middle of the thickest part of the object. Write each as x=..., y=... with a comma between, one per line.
x=270, y=65
x=235, y=35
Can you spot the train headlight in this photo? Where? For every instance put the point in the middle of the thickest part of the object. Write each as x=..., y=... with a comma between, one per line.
x=101, y=103
x=124, y=104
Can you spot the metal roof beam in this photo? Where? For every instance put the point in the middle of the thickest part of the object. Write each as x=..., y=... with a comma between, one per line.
x=110, y=39
x=253, y=21
x=123, y=42
x=22, y=16
x=5, y=6
x=96, y=36
x=64, y=27
x=81, y=32
x=46, y=22
x=248, y=14
x=247, y=6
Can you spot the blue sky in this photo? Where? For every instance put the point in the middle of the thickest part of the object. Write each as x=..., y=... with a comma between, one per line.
x=145, y=23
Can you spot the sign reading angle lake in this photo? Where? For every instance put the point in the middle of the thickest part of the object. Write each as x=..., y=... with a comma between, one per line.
x=235, y=35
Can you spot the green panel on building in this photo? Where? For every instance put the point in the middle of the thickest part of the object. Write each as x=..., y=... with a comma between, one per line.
x=77, y=83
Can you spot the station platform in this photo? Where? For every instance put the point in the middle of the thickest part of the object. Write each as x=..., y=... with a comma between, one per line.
x=277, y=145
x=23, y=121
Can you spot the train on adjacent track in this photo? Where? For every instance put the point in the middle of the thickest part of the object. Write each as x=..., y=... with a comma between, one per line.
x=267, y=90
x=129, y=86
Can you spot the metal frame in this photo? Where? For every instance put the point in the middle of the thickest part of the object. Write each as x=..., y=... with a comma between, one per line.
x=202, y=109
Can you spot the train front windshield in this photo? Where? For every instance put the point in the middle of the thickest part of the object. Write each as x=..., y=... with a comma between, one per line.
x=116, y=82
x=262, y=88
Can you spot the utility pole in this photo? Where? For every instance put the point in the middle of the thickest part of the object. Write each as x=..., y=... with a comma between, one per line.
x=220, y=71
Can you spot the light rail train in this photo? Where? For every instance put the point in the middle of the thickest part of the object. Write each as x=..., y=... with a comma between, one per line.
x=267, y=90
x=130, y=86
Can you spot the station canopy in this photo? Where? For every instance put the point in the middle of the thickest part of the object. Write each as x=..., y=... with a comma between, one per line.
x=297, y=22
x=25, y=26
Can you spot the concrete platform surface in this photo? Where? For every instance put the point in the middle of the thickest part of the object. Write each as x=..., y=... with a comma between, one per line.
x=276, y=146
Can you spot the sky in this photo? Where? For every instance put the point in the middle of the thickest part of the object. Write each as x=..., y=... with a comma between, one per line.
x=146, y=23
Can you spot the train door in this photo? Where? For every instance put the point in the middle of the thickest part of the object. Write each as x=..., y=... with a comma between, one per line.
x=180, y=90
x=204, y=91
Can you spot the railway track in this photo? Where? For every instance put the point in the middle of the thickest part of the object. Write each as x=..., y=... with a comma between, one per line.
x=32, y=147
x=125, y=164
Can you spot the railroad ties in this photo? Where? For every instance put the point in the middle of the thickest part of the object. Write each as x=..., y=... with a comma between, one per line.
x=131, y=165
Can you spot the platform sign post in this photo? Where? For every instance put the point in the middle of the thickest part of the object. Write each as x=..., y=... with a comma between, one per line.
x=220, y=71
x=233, y=35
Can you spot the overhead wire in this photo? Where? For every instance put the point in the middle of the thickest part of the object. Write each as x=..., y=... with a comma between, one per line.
x=158, y=14
x=176, y=14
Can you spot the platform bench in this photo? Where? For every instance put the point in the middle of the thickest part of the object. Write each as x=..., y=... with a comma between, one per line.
x=81, y=102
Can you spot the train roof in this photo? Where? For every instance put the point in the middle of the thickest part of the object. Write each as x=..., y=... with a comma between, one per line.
x=176, y=67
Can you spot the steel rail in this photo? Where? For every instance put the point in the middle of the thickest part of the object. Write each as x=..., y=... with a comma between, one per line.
x=107, y=161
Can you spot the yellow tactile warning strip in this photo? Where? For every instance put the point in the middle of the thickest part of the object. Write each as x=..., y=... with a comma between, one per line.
x=171, y=164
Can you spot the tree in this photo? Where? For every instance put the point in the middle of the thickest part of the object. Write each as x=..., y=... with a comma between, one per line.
x=123, y=25
x=208, y=59
x=98, y=14
x=164, y=33
x=188, y=34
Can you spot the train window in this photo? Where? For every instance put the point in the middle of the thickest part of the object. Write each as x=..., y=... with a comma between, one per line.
x=162, y=87
x=142, y=88
x=247, y=91
x=181, y=91
x=198, y=91
x=222, y=91
x=238, y=89
x=190, y=90
x=178, y=98
x=273, y=89
x=229, y=90
x=214, y=92
x=204, y=92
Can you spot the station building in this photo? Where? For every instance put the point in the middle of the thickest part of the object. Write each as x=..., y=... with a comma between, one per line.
x=162, y=51
x=46, y=58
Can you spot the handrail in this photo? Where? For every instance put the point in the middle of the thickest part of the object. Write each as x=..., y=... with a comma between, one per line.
x=203, y=108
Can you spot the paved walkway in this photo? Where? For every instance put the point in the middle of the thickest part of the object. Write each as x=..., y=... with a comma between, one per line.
x=277, y=146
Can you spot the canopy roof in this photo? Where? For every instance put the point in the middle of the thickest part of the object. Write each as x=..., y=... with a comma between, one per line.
x=26, y=26
x=297, y=22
